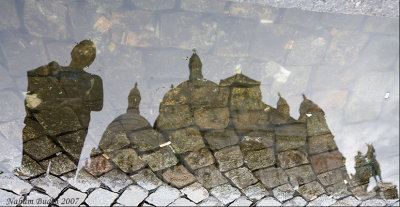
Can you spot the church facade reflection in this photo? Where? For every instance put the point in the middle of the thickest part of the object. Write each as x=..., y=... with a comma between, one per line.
x=216, y=138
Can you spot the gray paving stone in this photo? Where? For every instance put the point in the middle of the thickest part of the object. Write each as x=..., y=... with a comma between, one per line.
x=101, y=197
x=210, y=176
x=154, y=4
x=5, y=80
x=348, y=201
x=198, y=159
x=321, y=143
x=39, y=19
x=311, y=190
x=296, y=201
x=41, y=148
x=330, y=177
x=234, y=40
x=342, y=21
x=289, y=142
x=36, y=198
x=225, y=193
x=60, y=51
x=9, y=9
x=393, y=202
x=345, y=47
x=283, y=192
x=11, y=198
x=218, y=139
x=241, y=201
x=257, y=140
x=366, y=89
x=179, y=115
x=174, y=59
x=14, y=47
x=290, y=85
x=277, y=36
x=211, y=201
x=195, y=192
x=59, y=165
x=299, y=17
x=338, y=190
x=380, y=52
x=212, y=118
x=132, y=196
x=178, y=176
x=71, y=197
x=174, y=35
x=146, y=179
x=161, y=159
x=260, y=158
x=272, y=177
x=115, y=180
x=182, y=202
x=113, y=138
x=255, y=11
x=50, y=121
x=339, y=78
x=188, y=139
x=147, y=139
x=241, y=177
x=98, y=165
x=292, y=158
x=208, y=6
x=51, y=184
x=300, y=175
x=29, y=167
x=256, y=191
x=250, y=101
x=11, y=182
x=251, y=121
x=381, y=25
x=127, y=160
x=268, y=201
x=373, y=202
x=246, y=99
x=73, y=143
x=229, y=158
x=322, y=200
x=308, y=49
x=163, y=196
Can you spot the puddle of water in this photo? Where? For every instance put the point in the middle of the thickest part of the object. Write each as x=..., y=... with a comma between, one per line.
x=348, y=65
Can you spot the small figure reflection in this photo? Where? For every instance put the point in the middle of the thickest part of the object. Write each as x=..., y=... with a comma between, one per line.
x=58, y=105
x=366, y=167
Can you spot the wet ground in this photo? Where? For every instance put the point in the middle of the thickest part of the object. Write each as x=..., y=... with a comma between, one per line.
x=220, y=134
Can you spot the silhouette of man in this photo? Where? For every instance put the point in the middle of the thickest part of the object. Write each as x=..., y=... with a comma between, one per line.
x=58, y=105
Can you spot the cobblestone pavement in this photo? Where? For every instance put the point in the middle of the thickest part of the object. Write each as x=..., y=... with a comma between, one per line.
x=211, y=144
x=62, y=193
x=388, y=8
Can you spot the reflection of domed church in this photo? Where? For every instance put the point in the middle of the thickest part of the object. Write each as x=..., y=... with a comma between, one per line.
x=223, y=138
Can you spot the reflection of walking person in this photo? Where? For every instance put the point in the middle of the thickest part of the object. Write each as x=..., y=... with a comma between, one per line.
x=58, y=105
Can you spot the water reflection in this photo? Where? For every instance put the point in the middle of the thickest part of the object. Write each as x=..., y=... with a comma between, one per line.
x=58, y=105
x=345, y=63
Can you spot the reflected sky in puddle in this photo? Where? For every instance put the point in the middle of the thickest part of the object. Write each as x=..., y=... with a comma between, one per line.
x=347, y=64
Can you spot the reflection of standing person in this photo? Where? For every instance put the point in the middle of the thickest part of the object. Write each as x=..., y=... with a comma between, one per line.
x=58, y=105
x=375, y=168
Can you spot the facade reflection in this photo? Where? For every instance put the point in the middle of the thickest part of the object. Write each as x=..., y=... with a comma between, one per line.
x=222, y=138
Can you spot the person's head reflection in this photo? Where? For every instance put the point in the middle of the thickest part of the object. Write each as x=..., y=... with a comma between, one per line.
x=83, y=55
